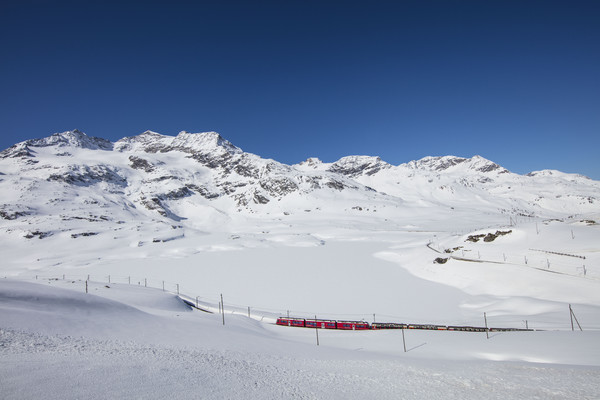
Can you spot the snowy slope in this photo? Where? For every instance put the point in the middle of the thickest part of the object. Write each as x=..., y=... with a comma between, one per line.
x=57, y=338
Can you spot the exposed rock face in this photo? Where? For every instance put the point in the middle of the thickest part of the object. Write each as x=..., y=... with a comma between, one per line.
x=140, y=163
x=436, y=163
x=83, y=175
x=487, y=237
x=10, y=213
x=353, y=166
x=476, y=163
x=311, y=162
x=19, y=150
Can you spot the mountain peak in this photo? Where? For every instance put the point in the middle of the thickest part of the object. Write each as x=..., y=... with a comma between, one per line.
x=475, y=163
x=482, y=164
x=358, y=165
x=556, y=174
x=204, y=142
x=147, y=141
x=74, y=138
x=436, y=163
x=311, y=162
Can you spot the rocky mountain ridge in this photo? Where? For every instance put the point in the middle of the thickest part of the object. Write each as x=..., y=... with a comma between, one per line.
x=198, y=179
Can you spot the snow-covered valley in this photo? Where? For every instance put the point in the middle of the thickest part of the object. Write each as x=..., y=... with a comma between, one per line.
x=441, y=240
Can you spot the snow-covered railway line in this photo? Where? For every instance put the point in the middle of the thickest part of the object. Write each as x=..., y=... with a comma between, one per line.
x=355, y=325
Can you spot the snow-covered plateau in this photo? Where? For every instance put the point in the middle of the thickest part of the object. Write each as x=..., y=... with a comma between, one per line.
x=107, y=247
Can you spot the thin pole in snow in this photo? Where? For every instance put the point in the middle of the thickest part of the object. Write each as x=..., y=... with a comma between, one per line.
x=109, y=279
x=145, y=282
x=86, y=286
x=487, y=330
x=223, y=307
x=178, y=289
x=573, y=316
x=373, y=317
x=163, y=286
x=129, y=280
x=403, y=340
x=248, y=312
x=317, y=329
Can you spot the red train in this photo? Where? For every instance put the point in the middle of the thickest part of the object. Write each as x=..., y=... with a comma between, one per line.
x=362, y=325
x=323, y=323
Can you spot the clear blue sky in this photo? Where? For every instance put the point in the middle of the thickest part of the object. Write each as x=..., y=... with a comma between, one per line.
x=517, y=82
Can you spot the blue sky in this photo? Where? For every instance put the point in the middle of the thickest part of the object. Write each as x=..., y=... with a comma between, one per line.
x=517, y=82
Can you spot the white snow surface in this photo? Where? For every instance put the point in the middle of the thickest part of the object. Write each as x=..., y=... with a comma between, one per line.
x=153, y=220
x=123, y=341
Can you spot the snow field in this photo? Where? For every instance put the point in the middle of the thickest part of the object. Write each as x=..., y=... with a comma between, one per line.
x=175, y=352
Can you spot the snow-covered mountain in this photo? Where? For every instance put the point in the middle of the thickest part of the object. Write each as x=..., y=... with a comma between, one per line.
x=106, y=230
x=73, y=184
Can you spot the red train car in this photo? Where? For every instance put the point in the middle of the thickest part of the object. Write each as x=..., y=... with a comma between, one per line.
x=320, y=323
x=299, y=322
x=352, y=325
